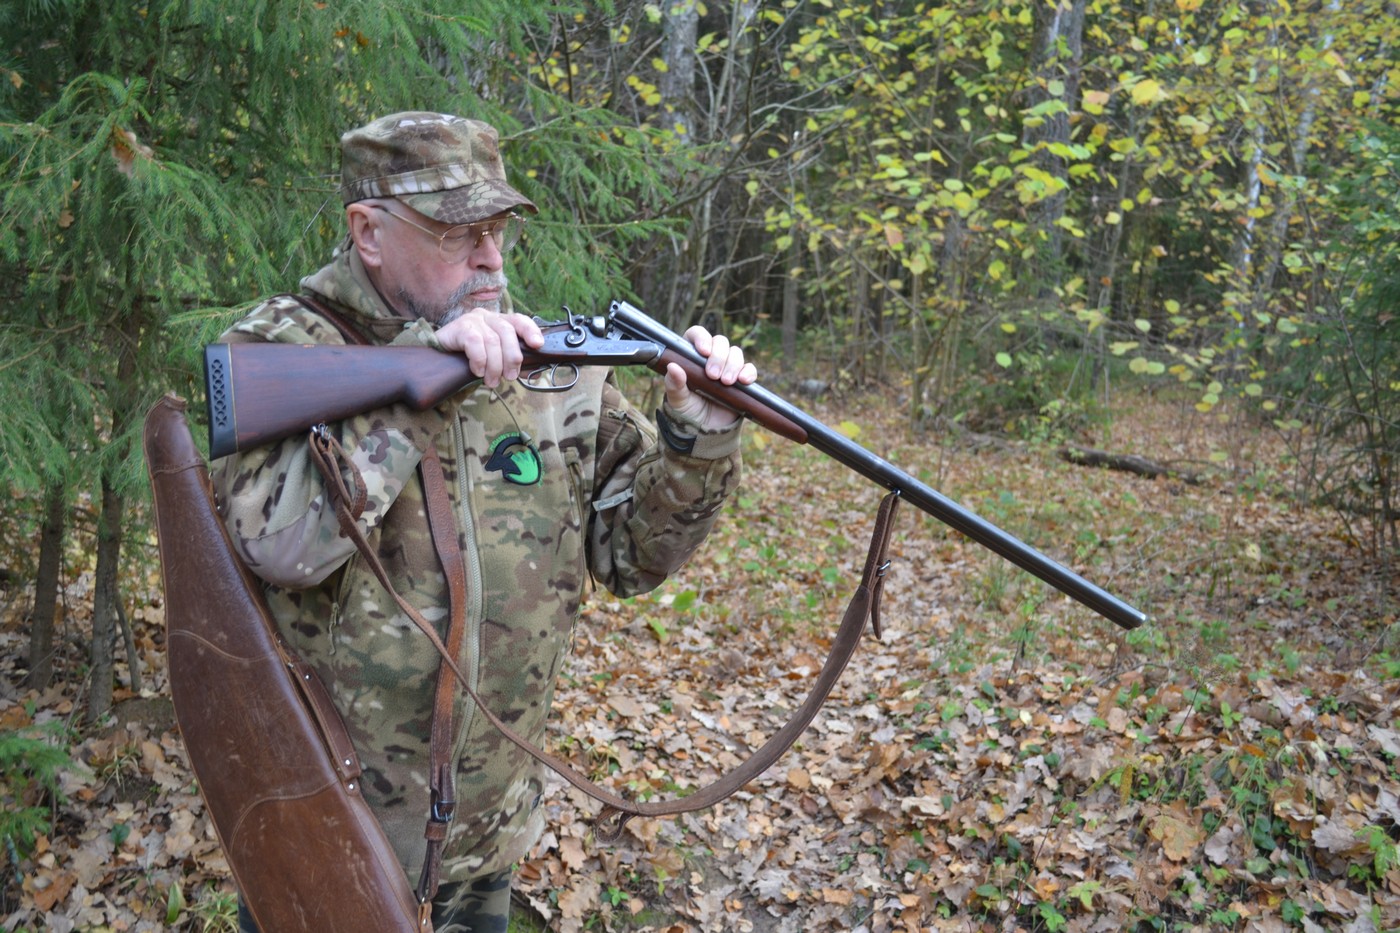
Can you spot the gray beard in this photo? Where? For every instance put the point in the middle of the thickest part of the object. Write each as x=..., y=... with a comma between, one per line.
x=456, y=304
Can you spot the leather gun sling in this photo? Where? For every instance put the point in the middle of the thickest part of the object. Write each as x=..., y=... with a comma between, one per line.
x=441, y=779
x=864, y=606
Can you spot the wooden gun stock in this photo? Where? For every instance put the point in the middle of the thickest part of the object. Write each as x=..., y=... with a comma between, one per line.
x=263, y=392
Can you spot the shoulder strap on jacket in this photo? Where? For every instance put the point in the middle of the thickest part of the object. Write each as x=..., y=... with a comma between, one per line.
x=338, y=320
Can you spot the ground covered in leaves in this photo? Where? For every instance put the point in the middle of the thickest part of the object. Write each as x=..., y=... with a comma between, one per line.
x=1000, y=759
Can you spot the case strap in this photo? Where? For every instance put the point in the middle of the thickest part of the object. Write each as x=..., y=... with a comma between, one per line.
x=442, y=524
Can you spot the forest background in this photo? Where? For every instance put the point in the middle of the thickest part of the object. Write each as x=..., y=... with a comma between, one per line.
x=995, y=238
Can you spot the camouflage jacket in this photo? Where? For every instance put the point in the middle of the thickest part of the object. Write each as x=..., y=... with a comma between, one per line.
x=548, y=489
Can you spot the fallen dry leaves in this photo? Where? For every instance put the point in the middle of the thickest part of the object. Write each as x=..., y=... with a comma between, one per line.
x=1001, y=759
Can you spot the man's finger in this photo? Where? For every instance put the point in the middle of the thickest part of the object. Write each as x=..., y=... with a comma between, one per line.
x=508, y=343
x=526, y=329
x=719, y=356
x=700, y=339
x=676, y=388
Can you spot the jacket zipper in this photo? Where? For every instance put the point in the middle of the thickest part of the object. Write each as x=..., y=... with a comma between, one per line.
x=335, y=620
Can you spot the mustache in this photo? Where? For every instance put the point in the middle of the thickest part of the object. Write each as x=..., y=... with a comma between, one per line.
x=457, y=303
x=477, y=282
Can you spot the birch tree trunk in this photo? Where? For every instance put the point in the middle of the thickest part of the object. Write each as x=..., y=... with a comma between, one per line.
x=680, y=20
x=1059, y=56
x=792, y=313
x=859, y=311
x=953, y=269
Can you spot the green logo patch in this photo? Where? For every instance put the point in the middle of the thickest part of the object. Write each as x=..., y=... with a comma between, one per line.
x=517, y=460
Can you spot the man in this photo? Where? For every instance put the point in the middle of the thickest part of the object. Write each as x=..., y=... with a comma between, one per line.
x=546, y=489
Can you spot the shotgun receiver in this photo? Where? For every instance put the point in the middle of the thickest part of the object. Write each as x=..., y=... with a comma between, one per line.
x=252, y=402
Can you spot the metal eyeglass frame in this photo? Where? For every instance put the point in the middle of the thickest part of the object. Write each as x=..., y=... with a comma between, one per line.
x=506, y=232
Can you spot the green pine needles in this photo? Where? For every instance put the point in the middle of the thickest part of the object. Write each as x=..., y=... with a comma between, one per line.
x=30, y=764
x=170, y=163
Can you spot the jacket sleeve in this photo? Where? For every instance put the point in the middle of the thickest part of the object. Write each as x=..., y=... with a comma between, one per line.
x=273, y=500
x=656, y=494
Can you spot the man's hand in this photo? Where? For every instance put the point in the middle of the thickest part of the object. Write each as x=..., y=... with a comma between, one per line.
x=491, y=341
x=724, y=363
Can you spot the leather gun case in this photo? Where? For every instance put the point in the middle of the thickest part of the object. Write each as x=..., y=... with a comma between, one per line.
x=275, y=765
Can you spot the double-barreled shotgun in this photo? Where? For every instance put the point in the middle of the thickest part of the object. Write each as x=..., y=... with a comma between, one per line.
x=263, y=392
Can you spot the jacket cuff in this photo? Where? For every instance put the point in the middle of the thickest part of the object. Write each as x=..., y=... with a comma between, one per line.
x=684, y=436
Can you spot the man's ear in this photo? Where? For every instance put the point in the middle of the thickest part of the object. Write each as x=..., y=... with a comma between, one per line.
x=365, y=232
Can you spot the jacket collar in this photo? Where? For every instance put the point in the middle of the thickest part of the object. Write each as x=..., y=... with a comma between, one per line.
x=344, y=282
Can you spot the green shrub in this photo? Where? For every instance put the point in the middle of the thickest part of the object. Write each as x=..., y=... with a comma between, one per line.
x=1342, y=378
x=30, y=763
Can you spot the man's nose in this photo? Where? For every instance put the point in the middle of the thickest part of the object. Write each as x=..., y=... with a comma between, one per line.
x=487, y=255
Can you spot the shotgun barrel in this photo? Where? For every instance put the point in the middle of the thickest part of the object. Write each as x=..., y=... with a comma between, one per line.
x=629, y=321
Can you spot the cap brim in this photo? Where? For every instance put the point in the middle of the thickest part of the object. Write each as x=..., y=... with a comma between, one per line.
x=469, y=203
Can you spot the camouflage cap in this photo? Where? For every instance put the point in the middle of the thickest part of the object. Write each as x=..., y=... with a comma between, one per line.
x=445, y=167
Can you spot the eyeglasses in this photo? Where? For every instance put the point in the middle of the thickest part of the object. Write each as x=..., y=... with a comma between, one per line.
x=458, y=242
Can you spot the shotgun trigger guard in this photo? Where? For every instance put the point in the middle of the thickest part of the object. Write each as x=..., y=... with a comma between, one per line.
x=555, y=377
